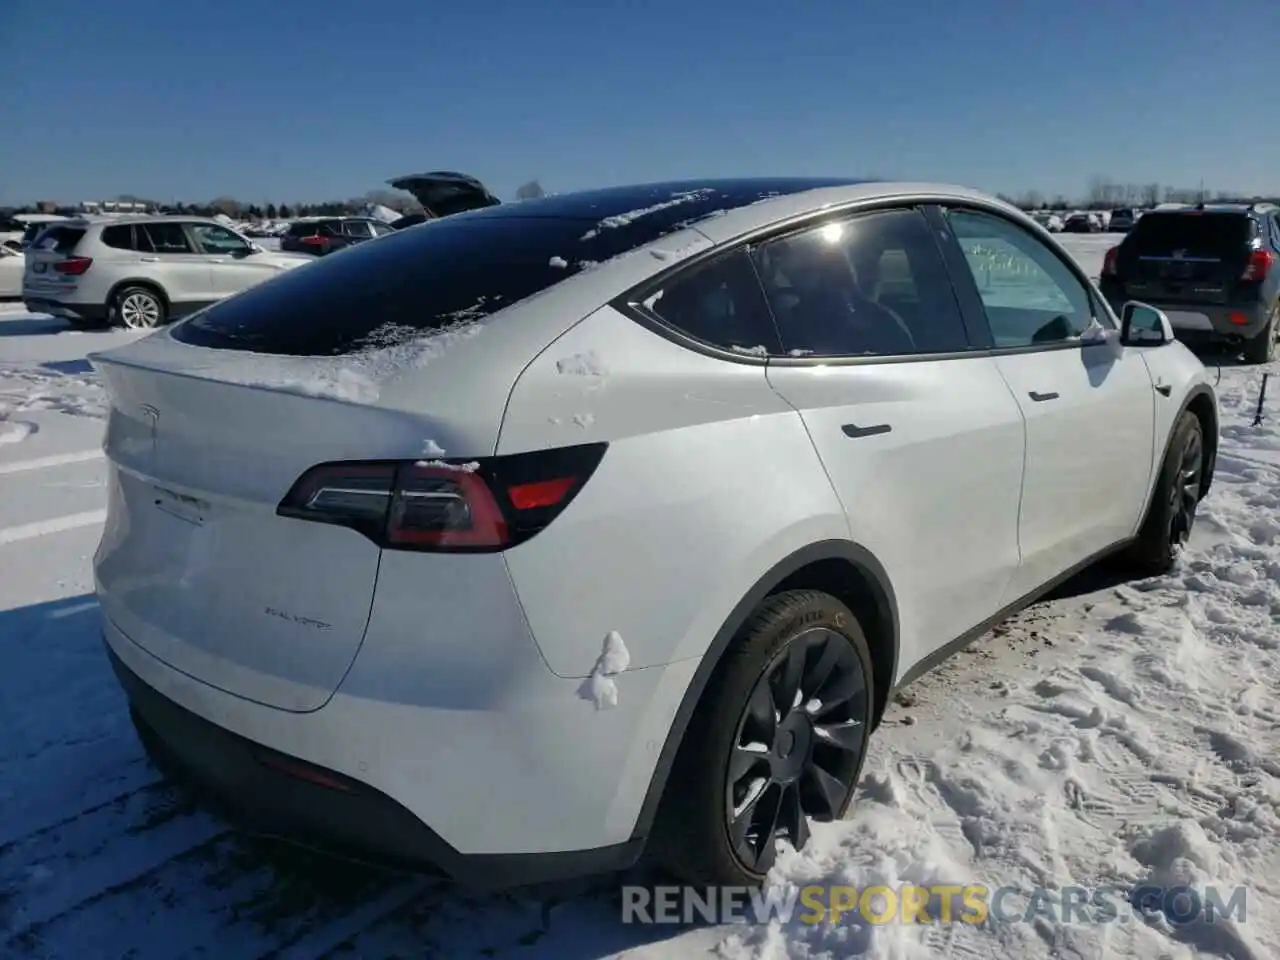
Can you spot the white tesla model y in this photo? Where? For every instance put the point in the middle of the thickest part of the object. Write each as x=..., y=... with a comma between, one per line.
x=527, y=538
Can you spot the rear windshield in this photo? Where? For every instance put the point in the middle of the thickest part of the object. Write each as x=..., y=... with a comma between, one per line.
x=1214, y=235
x=417, y=281
x=58, y=239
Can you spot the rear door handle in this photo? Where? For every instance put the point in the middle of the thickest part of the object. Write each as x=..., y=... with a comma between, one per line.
x=1042, y=397
x=855, y=431
x=149, y=259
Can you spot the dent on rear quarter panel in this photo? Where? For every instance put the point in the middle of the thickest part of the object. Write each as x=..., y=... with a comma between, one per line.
x=710, y=479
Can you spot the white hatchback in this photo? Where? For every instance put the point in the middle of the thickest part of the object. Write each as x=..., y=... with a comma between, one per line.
x=141, y=272
x=520, y=541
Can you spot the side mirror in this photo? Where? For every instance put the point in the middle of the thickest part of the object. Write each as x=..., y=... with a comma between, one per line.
x=1142, y=325
x=254, y=248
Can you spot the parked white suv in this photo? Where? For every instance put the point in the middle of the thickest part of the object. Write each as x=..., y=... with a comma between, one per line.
x=517, y=542
x=141, y=271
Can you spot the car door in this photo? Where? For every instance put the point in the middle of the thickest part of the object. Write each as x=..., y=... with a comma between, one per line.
x=918, y=432
x=168, y=255
x=230, y=258
x=1088, y=402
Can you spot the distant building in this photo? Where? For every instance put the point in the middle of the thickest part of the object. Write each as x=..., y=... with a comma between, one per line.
x=47, y=206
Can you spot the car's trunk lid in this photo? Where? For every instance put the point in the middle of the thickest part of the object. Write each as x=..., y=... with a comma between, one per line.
x=195, y=564
x=1194, y=257
x=444, y=192
x=43, y=272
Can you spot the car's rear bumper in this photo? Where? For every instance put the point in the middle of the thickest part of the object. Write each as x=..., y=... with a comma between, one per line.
x=274, y=794
x=462, y=752
x=1203, y=321
x=83, y=313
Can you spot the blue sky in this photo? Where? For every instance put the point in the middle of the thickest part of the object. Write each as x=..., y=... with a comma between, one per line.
x=291, y=100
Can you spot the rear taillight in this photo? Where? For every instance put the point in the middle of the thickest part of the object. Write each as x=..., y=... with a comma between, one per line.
x=437, y=505
x=73, y=266
x=1260, y=264
x=313, y=241
x=1109, y=262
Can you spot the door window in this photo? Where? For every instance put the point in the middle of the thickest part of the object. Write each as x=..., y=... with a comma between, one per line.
x=1029, y=294
x=166, y=237
x=219, y=240
x=870, y=285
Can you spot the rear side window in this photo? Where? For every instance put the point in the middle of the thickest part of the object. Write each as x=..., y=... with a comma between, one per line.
x=414, y=283
x=119, y=237
x=298, y=229
x=58, y=239
x=1215, y=235
x=381, y=230
x=166, y=237
x=872, y=285
x=719, y=303
x=355, y=228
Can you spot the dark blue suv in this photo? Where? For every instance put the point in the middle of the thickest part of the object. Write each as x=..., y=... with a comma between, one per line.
x=1214, y=269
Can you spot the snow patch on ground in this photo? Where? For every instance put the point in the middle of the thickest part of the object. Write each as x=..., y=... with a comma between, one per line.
x=15, y=431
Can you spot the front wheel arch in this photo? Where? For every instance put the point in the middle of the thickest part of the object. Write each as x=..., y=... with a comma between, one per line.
x=1202, y=403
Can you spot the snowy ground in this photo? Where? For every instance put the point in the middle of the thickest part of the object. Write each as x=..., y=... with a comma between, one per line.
x=1119, y=733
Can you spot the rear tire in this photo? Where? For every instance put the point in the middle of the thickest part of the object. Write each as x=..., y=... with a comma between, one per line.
x=796, y=688
x=1172, y=513
x=1262, y=348
x=140, y=308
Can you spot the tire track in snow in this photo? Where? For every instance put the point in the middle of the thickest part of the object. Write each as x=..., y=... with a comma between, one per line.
x=244, y=897
x=55, y=873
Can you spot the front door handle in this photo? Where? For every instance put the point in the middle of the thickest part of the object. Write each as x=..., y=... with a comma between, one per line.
x=856, y=432
x=149, y=259
x=1042, y=397
x=1164, y=389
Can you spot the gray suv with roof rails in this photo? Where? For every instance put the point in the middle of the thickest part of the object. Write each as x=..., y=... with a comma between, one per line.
x=1214, y=269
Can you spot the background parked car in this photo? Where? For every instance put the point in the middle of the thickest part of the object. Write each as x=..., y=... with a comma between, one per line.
x=1214, y=268
x=141, y=271
x=322, y=235
x=11, y=232
x=1122, y=220
x=1082, y=223
x=22, y=228
x=1050, y=221
x=442, y=193
x=11, y=264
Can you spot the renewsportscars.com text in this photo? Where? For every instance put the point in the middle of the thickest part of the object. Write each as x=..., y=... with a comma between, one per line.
x=939, y=903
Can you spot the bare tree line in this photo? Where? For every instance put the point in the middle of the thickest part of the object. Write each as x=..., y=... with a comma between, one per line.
x=1103, y=193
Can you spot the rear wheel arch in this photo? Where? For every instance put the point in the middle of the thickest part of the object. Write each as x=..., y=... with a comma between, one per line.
x=145, y=284
x=845, y=570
